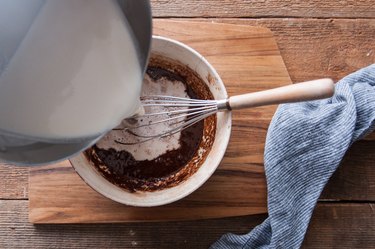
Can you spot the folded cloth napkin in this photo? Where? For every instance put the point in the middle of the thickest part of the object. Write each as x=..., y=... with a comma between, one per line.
x=304, y=146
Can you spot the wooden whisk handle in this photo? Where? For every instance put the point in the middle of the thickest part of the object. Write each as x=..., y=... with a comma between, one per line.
x=298, y=92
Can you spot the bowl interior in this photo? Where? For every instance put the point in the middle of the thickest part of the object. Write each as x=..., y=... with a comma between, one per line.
x=187, y=56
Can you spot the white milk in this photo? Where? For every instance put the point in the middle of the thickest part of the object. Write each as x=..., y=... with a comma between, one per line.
x=75, y=74
x=156, y=147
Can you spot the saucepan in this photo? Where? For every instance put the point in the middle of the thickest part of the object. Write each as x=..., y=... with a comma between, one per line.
x=25, y=150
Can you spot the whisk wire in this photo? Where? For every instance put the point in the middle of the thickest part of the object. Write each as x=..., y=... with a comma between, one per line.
x=183, y=115
x=167, y=133
x=180, y=114
x=175, y=112
x=171, y=98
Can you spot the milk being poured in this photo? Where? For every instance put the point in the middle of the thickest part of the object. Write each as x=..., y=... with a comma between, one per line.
x=75, y=74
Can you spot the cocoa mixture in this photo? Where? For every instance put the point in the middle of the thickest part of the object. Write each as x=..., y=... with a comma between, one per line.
x=174, y=166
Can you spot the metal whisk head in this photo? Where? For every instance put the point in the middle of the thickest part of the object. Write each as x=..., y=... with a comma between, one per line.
x=165, y=116
x=170, y=115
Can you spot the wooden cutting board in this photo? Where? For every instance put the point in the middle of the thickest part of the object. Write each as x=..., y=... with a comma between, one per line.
x=247, y=58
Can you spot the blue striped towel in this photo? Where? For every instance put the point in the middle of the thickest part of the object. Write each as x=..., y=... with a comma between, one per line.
x=304, y=146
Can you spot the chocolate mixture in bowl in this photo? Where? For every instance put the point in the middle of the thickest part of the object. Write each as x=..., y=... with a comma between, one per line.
x=162, y=162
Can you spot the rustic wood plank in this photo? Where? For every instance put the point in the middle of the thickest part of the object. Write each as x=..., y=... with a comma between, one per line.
x=13, y=182
x=355, y=178
x=58, y=195
x=341, y=226
x=332, y=226
x=261, y=8
x=313, y=48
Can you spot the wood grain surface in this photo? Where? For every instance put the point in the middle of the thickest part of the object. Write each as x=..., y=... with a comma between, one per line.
x=333, y=225
x=262, y=8
x=248, y=60
x=315, y=38
x=14, y=182
x=315, y=48
x=355, y=178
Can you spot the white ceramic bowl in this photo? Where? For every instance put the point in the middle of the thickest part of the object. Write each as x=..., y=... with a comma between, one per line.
x=185, y=55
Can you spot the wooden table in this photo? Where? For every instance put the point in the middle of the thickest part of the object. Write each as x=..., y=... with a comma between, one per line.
x=316, y=38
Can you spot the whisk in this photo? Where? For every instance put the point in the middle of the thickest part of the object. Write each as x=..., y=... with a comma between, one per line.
x=167, y=115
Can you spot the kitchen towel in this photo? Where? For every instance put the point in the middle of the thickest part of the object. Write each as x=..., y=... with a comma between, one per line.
x=304, y=146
